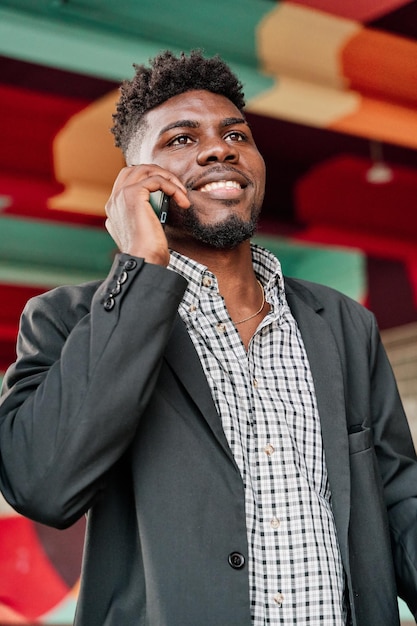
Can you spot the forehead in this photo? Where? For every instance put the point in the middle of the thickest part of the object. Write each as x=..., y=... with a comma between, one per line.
x=198, y=105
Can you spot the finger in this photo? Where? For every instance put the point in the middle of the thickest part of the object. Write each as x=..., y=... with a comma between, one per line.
x=133, y=193
x=138, y=173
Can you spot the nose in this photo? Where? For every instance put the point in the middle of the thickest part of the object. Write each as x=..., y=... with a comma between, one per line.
x=217, y=150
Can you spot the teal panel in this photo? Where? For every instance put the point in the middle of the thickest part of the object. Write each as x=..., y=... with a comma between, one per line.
x=104, y=38
x=47, y=253
x=227, y=26
x=339, y=268
x=72, y=48
x=62, y=614
x=22, y=274
x=404, y=612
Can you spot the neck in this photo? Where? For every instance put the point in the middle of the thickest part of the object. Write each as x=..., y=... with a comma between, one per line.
x=237, y=283
x=229, y=266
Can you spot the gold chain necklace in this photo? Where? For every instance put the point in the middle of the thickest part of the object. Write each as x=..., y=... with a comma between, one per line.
x=246, y=319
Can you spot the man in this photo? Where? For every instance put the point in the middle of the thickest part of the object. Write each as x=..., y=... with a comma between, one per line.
x=236, y=439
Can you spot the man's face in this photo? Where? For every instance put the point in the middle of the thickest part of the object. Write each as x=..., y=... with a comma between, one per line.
x=203, y=139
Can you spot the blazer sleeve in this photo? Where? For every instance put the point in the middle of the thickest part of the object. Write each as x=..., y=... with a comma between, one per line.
x=85, y=370
x=403, y=525
x=398, y=465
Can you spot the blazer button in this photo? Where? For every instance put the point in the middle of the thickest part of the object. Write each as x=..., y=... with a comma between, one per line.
x=236, y=560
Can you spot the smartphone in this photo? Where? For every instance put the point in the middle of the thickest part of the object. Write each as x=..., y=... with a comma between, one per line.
x=160, y=203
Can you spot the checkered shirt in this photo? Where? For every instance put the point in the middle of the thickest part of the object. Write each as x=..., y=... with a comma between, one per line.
x=266, y=400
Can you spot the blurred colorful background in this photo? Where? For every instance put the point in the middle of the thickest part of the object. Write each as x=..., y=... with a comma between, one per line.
x=332, y=100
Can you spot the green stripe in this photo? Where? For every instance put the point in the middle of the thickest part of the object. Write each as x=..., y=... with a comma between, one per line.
x=44, y=253
x=341, y=269
x=404, y=612
x=91, y=39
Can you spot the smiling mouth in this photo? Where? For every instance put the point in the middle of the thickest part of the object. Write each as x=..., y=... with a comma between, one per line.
x=220, y=184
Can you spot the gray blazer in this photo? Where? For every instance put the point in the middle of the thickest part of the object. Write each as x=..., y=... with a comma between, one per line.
x=107, y=411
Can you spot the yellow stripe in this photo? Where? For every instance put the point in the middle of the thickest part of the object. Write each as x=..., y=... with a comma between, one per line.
x=305, y=103
x=304, y=43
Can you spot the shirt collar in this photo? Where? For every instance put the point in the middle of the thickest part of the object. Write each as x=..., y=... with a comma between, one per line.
x=266, y=266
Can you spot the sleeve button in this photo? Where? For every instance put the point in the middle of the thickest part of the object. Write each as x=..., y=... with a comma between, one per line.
x=109, y=303
x=122, y=278
x=116, y=290
x=130, y=265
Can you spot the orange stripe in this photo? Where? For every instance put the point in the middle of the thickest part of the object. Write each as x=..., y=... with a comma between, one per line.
x=383, y=121
x=381, y=64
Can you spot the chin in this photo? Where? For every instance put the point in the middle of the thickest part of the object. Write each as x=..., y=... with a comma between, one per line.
x=225, y=234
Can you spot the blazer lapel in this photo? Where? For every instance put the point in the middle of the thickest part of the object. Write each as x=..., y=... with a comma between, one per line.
x=327, y=374
x=184, y=361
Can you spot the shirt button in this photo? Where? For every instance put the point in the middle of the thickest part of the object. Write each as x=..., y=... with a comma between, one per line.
x=207, y=282
x=236, y=560
x=192, y=308
x=255, y=383
x=275, y=522
x=269, y=449
x=278, y=599
x=220, y=327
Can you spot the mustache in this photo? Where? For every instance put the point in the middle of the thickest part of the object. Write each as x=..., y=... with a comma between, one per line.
x=218, y=169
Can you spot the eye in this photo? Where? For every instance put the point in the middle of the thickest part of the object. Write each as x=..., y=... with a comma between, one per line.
x=180, y=140
x=235, y=135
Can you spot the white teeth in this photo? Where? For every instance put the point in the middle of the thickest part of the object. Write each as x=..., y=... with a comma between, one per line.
x=221, y=184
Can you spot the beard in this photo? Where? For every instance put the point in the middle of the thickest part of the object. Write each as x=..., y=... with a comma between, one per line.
x=224, y=235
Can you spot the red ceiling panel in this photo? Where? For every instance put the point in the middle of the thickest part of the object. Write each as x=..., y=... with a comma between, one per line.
x=360, y=10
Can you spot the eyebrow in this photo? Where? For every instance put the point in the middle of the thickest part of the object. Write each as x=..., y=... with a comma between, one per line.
x=179, y=124
x=228, y=121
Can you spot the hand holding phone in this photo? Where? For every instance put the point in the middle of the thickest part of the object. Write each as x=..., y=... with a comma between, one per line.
x=160, y=203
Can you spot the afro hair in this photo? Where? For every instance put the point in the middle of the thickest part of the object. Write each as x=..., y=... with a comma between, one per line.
x=166, y=77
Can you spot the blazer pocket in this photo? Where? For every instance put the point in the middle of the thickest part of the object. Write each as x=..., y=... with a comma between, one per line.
x=360, y=439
